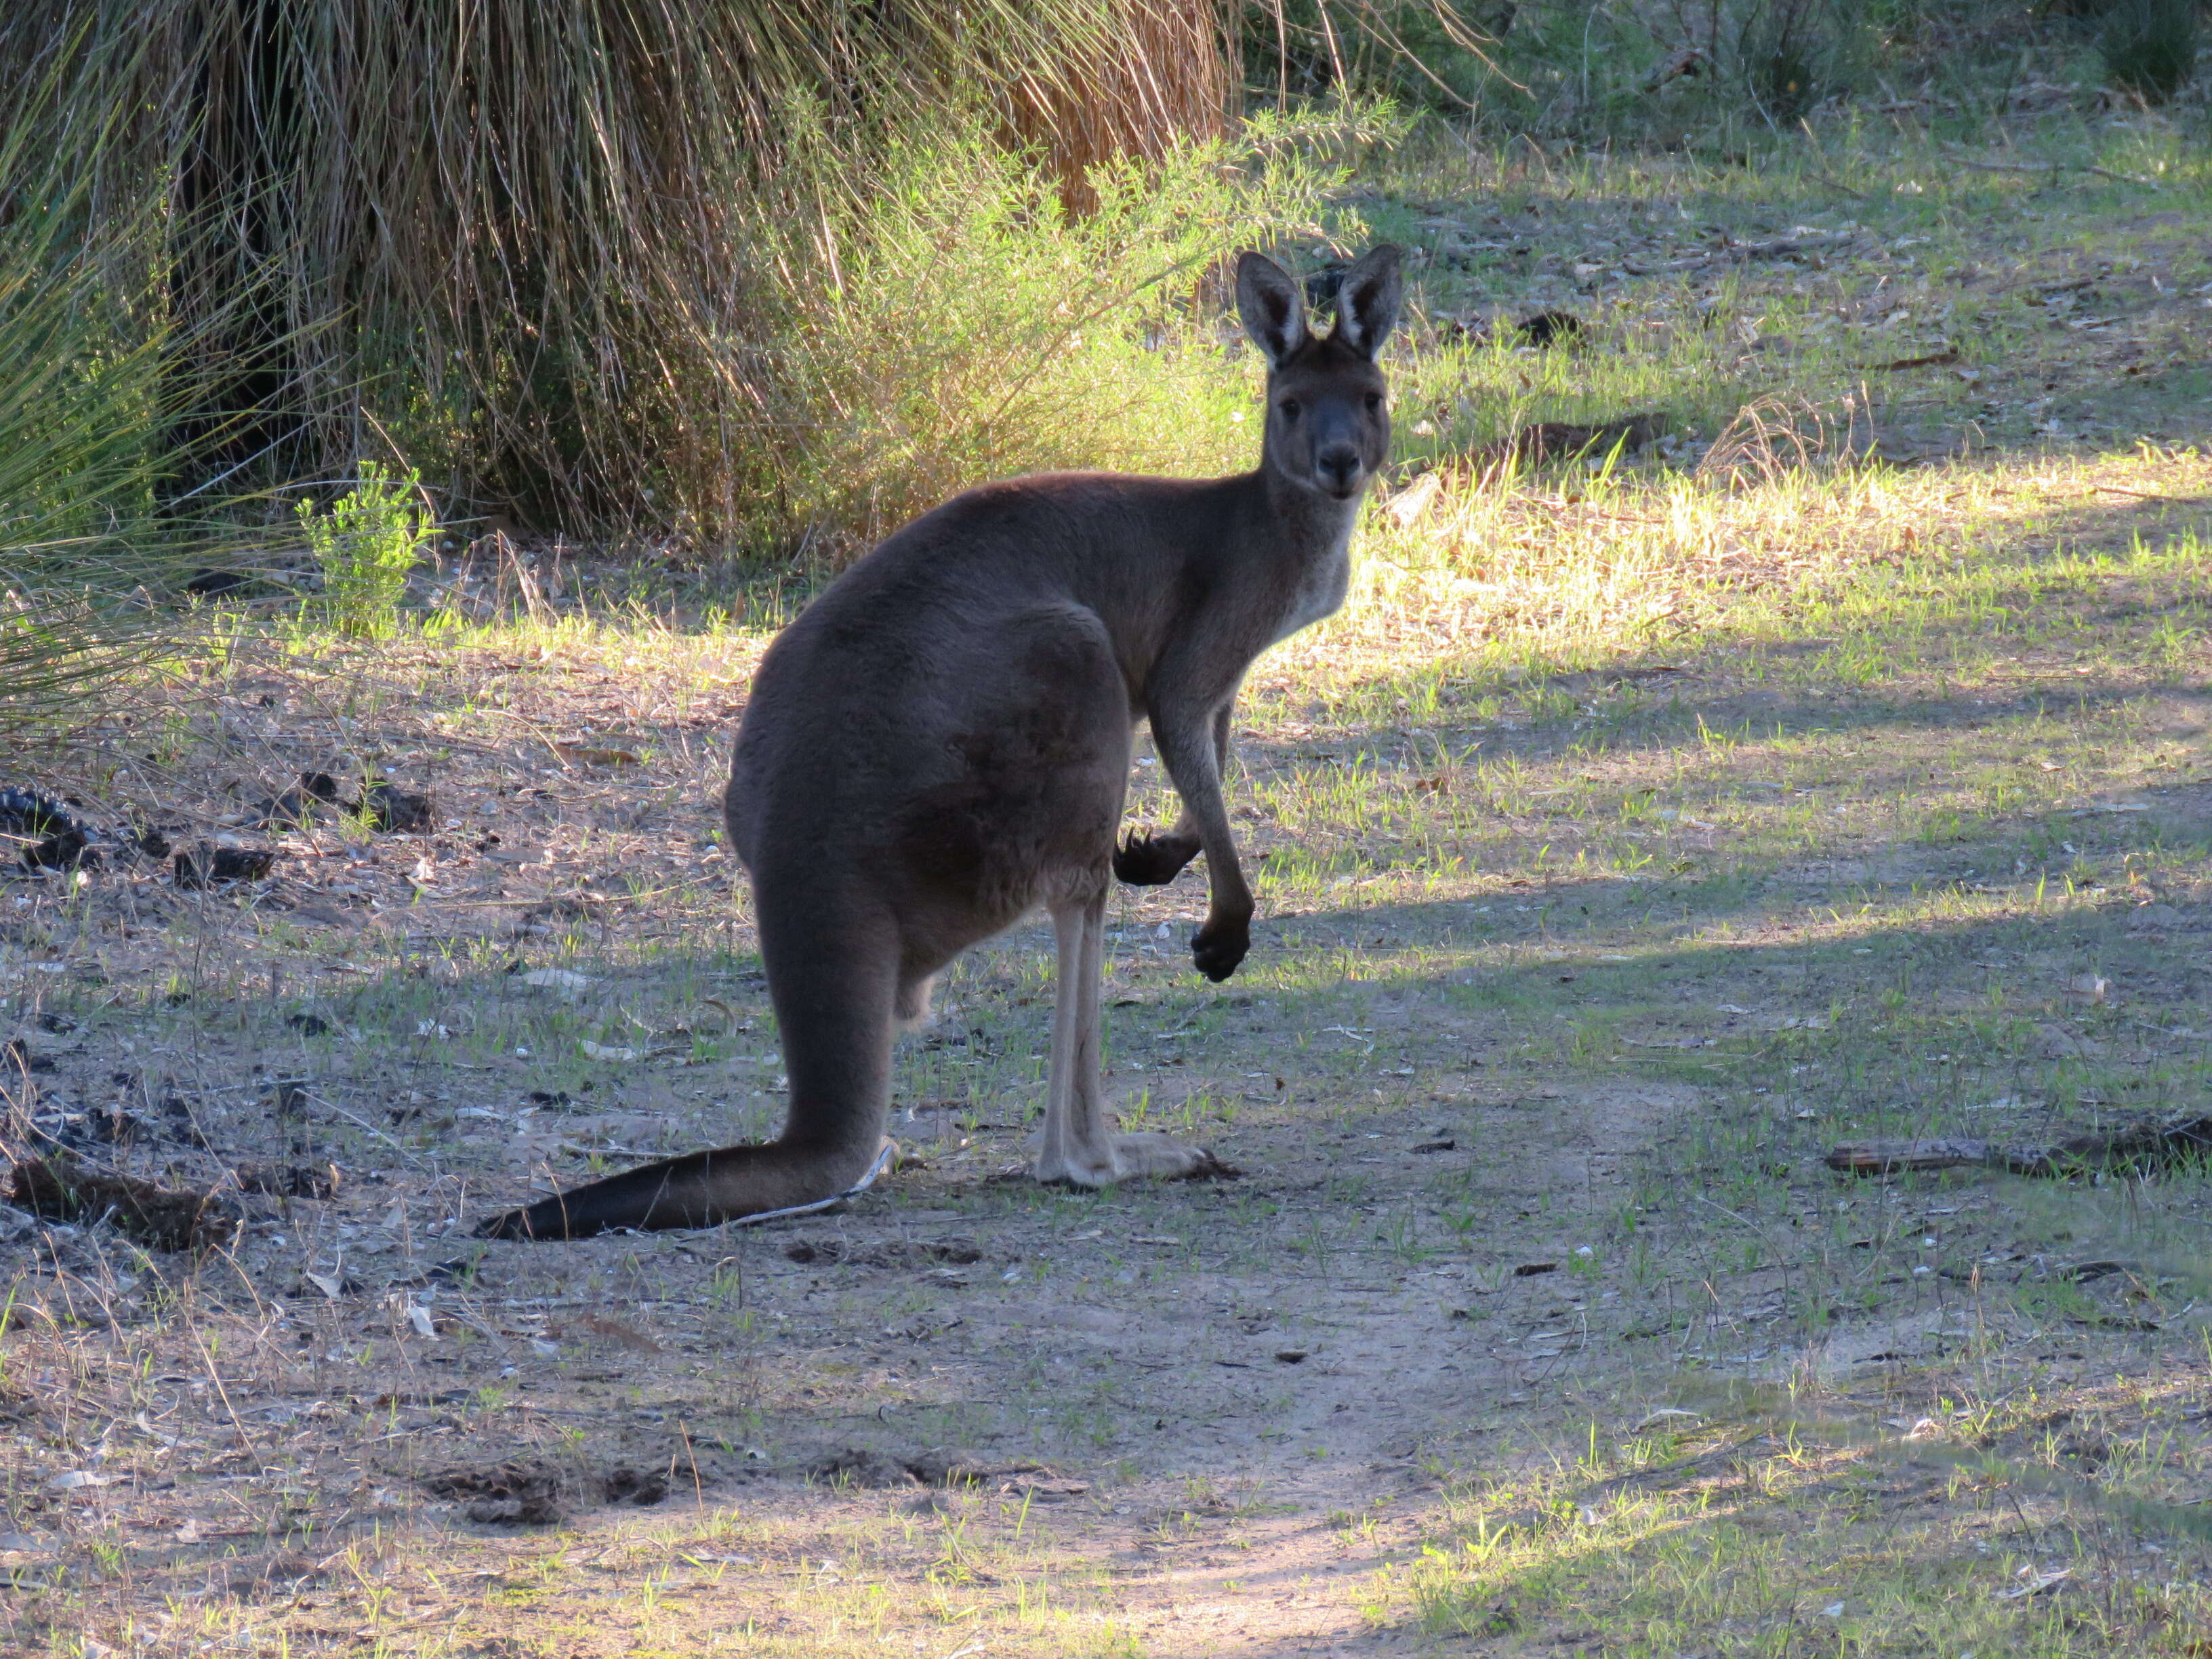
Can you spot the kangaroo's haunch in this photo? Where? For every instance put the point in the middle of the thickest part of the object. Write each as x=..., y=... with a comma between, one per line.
x=940, y=743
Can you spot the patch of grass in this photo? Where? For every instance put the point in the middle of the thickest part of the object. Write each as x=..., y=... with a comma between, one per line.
x=1964, y=1527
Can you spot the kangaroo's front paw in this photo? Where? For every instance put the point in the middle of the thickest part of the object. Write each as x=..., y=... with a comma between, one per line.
x=1154, y=861
x=1218, y=946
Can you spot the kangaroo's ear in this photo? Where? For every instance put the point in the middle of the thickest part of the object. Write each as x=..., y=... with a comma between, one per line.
x=1273, y=309
x=1367, y=303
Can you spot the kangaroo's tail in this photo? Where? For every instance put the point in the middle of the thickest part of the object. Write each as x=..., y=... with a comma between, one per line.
x=833, y=978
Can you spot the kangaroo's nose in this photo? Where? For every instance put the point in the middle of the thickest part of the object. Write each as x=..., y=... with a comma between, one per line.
x=1339, y=468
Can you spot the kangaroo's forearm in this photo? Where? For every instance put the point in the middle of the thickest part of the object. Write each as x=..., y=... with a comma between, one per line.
x=1186, y=824
x=1187, y=748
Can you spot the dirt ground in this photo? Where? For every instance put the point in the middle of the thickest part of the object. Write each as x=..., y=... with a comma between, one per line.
x=1473, y=1258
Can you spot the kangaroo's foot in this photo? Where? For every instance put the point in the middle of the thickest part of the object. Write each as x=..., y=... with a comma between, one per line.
x=1141, y=1156
x=1154, y=861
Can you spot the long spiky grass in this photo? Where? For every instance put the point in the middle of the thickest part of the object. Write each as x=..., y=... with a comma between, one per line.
x=572, y=262
x=565, y=259
x=970, y=327
x=89, y=561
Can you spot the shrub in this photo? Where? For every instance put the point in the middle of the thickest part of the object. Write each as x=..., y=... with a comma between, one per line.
x=512, y=235
x=1785, y=59
x=2149, y=47
x=366, y=546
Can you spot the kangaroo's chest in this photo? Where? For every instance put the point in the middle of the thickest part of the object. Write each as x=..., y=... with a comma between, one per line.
x=1318, y=592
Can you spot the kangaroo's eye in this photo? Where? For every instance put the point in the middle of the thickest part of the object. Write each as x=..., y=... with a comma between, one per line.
x=1289, y=408
x=1373, y=402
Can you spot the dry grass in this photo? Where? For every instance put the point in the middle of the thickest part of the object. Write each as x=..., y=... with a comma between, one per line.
x=1164, y=75
x=476, y=243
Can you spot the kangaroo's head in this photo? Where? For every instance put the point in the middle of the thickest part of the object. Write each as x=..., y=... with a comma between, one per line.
x=1328, y=416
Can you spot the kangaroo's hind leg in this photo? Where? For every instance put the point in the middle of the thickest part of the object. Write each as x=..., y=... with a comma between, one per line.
x=1077, y=1147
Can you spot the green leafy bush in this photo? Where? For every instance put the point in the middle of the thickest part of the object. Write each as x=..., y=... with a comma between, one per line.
x=366, y=546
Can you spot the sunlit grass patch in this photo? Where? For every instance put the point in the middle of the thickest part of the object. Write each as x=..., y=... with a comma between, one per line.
x=1884, y=574
x=2020, y=1523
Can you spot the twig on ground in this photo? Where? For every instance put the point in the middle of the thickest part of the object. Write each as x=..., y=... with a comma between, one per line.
x=2049, y=169
x=1926, y=360
x=2138, y=494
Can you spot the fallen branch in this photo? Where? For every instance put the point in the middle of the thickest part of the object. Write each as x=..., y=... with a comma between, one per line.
x=1787, y=247
x=160, y=1218
x=2137, y=1149
x=1882, y=1158
x=1687, y=60
x=2136, y=494
x=1552, y=441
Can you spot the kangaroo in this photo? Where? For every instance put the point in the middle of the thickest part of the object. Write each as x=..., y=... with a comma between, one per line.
x=941, y=742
